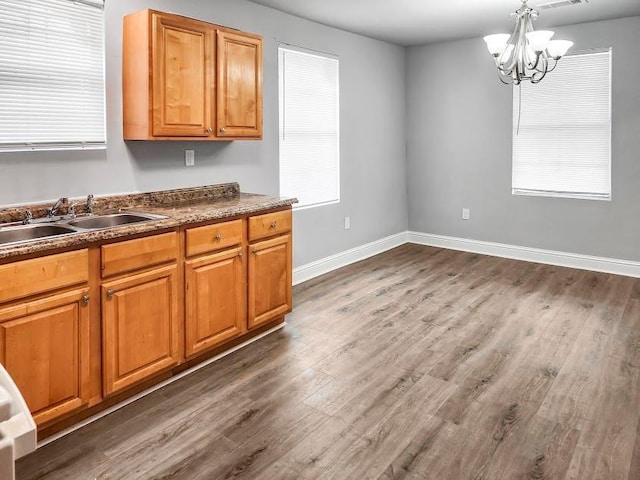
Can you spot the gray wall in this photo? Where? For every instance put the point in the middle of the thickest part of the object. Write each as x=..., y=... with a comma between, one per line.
x=459, y=151
x=373, y=175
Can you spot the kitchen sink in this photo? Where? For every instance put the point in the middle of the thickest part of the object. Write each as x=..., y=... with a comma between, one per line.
x=62, y=226
x=113, y=220
x=24, y=233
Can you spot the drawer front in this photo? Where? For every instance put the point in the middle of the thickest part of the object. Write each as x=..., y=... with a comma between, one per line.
x=135, y=254
x=269, y=224
x=29, y=277
x=213, y=237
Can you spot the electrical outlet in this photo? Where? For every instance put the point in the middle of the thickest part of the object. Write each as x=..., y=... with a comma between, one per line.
x=189, y=158
x=466, y=214
x=347, y=223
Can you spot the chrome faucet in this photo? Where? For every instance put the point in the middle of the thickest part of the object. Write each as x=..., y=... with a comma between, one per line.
x=28, y=216
x=52, y=211
x=71, y=211
x=90, y=204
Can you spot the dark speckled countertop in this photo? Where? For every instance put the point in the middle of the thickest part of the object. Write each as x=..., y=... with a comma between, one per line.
x=181, y=206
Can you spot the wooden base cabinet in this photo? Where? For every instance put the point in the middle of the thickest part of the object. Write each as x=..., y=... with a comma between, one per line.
x=81, y=326
x=270, y=293
x=140, y=326
x=215, y=300
x=45, y=331
x=44, y=345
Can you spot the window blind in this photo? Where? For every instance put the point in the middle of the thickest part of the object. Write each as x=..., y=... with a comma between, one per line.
x=51, y=74
x=309, y=127
x=563, y=146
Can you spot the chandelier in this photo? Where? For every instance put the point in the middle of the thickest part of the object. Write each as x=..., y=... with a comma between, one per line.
x=525, y=54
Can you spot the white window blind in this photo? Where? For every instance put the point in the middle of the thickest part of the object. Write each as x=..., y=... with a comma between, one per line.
x=309, y=127
x=51, y=74
x=563, y=146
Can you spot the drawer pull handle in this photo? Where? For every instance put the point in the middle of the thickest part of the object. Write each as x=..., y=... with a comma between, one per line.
x=85, y=299
x=273, y=225
x=218, y=237
x=110, y=293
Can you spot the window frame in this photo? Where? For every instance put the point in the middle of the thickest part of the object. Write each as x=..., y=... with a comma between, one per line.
x=563, y=194
x=33, y=143
x=283, y=47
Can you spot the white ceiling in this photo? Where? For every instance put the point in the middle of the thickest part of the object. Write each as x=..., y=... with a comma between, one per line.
x=415, y=22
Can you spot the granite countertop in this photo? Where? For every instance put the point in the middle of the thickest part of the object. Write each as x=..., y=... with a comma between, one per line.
x=180, y=206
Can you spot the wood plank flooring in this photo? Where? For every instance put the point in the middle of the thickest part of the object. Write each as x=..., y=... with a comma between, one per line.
x=420, y=363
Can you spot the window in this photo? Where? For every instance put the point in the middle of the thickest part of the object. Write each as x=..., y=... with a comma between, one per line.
x=563, y=146
x=309, y=130
x=51, y=74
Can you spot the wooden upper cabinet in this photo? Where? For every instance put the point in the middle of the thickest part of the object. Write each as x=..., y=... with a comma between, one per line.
x=185, y=79
x=182, y=81
x=239, y=93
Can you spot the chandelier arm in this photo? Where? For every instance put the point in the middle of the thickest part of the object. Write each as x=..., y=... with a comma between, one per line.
x=538, y=76
x=544, y=64
x=527, y=27
x=502, y=77
x=555, y=64
x=535, y=64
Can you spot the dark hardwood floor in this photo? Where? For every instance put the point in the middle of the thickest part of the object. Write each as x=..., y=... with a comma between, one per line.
x=420, y=363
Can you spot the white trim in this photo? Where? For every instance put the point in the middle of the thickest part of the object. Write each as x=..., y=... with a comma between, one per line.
x=152, y=389
x=551, y=257
x=615, y=266
x=342, y=259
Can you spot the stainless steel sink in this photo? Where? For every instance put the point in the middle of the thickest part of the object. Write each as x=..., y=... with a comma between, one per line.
x=25, y=233
x=113, y=220
x=63, y=226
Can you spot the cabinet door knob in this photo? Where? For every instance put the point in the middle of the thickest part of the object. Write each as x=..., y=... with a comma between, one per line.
x=110, y=293
x=222, y=130
x=209, y=130
x=240, y=254
x=85, y=299
x=218, y=237
x=273, y=225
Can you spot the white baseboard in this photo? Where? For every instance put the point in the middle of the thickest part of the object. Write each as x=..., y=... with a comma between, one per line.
x=564, y=259
x=616, y=266
x=342, y=259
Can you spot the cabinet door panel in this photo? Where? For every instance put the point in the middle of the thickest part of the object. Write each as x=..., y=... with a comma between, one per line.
x=140, y=327
x=44, y=345
x=239, y=88
x=182, y=81
x=215, y=300
x=269, y=280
